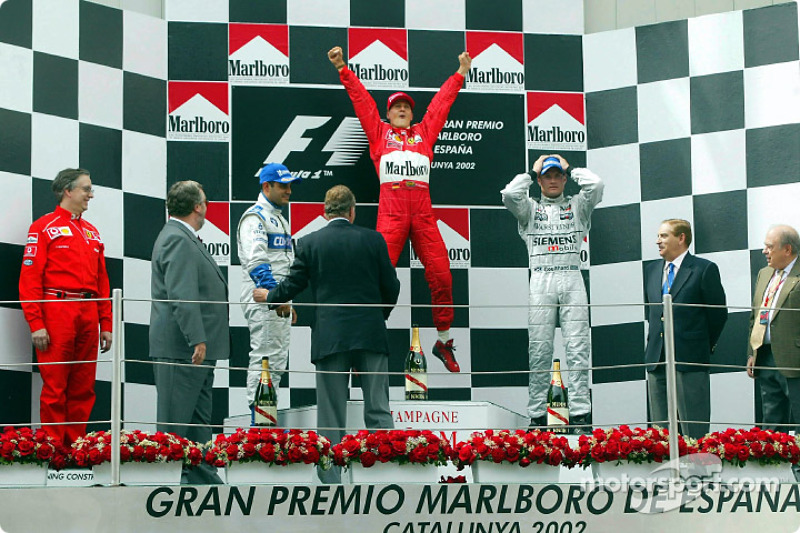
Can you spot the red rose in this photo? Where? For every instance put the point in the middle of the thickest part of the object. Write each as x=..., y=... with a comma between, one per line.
x=465, y=454
x=25, y=447
x=399, y=446
x=267, y=452
x=44, y=452
x=295, y=455
x=743, y=454
x=233, y=452
x=555, y=458
x=418, y=455
x=598, y=454
x=433, y=450
x=94, y=456
x=524, y=461
x=352, y=446
x=150, y=454
x=659, y=450
x=249, y=449
x=368, y=459
x=312, y=456
x=124, y=454
x=138, y=452
x=513, y=454
x=498, y=454
x=385, y=451
x=7, y=449
x=176, y=452
x=195, y=456
x=756, y=449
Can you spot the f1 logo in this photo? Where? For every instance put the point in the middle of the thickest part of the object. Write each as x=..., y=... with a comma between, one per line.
x=347, y=143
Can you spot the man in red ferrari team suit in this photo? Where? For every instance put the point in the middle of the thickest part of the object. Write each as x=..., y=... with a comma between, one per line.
x=64, y=262
x=402, y=154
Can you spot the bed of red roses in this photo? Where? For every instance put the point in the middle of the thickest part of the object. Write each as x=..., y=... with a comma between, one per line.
x=515, y=446
x=270, y=446
x=392, y=446
x=135, y=446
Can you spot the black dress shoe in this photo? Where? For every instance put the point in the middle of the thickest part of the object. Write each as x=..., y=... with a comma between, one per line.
x=537, y=422
x=581, y=420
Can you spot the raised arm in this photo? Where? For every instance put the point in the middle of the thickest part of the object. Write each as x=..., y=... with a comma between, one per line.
x=363, y=103
x=439, y=108
x=337, y=57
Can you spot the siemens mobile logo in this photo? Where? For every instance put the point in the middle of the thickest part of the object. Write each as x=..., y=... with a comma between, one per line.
x=346, y=143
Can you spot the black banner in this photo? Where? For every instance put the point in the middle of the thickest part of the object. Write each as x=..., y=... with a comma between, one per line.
x=314, y=132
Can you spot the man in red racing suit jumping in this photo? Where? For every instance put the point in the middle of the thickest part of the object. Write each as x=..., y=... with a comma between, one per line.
x=402, y=154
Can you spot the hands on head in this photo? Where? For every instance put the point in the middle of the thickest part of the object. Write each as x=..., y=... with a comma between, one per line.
x=537, y=166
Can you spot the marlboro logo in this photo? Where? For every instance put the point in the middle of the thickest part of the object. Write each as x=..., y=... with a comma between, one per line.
x=497, y=61
x=556, y=121
x=258, y=54
x=216, y=232
x=198, y=111
x=306, y=218
x=453, y=223
x=379, y=57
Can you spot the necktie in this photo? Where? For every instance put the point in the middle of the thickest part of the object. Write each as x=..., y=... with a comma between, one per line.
x=670, y=278
x=762, y=318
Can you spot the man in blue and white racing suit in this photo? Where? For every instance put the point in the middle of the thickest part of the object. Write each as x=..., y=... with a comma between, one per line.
x=553, y=229
x=265, y=252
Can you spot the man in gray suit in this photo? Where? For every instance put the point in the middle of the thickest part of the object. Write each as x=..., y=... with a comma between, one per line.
x=192, y=334
x=345, y=264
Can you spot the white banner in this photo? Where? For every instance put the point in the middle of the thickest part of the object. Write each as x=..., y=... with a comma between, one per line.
x=444, y=508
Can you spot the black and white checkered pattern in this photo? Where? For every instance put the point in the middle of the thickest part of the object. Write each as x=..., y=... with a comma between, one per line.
x=695, y=119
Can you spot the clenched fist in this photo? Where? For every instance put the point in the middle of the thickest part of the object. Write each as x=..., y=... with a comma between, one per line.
x=336, y=57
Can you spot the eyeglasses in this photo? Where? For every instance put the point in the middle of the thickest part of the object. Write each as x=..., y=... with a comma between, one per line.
x=87, y=189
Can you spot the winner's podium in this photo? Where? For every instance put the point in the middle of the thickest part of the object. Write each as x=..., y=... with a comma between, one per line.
x=455, y=420
x=451, y=420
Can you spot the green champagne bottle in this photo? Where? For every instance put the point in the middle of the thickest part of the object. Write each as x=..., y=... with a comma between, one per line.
x=416, y=370
x=557, y=403
x=266, y=399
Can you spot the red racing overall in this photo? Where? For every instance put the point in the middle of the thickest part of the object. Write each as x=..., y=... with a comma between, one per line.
x=64, y=261
x=402, y=160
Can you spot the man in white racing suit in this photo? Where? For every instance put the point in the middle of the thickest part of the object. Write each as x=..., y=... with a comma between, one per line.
x=553, y=229
x=265, y=252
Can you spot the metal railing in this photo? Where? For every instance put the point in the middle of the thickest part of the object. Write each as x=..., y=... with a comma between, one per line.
x=117, y=360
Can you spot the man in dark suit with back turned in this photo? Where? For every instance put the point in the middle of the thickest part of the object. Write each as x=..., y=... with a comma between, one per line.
x=189, y=333
x=690, y=280
x=344, y=264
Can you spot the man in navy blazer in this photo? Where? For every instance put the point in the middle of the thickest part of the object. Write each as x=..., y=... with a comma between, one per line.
x=345, y=264
x=689, y=280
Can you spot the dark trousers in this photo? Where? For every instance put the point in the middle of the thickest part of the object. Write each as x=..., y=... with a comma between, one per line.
x=333, y=392
x=184, y=397
x=775, y=402
x=693, y=399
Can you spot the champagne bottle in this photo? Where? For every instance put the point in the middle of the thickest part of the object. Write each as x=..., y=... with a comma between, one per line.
x=557, y=403
x=266, y=400
x=416, y=370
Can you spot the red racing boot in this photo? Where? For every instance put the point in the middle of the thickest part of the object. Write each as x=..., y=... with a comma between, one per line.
x=446, y=353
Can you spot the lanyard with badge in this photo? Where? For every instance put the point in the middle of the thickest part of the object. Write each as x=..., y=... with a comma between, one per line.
x=763, y=316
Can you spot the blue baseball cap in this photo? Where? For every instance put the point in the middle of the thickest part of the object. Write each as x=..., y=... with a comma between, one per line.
x=277, y=173
x=551, y=162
